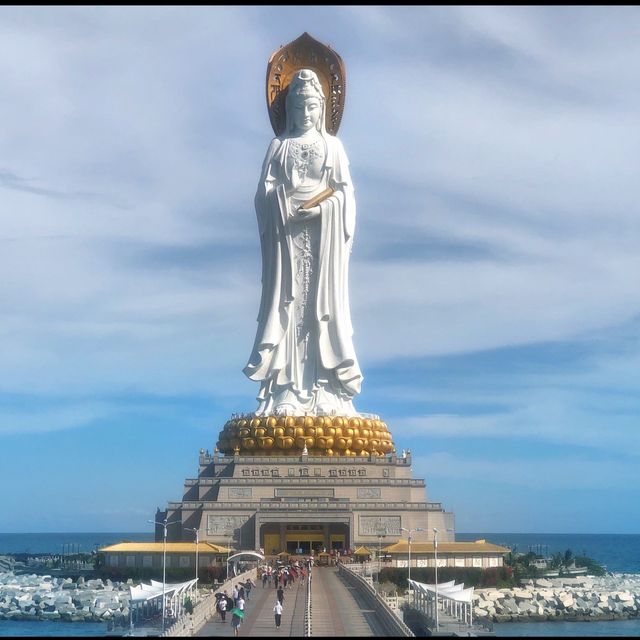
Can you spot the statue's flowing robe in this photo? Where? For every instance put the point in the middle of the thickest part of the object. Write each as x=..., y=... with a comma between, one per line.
x=273, y=360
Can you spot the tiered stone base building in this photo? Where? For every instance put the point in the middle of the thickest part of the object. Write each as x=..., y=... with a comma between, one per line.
x=264, y=493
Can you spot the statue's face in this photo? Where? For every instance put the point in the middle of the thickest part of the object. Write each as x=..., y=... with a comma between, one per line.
x=306, y=113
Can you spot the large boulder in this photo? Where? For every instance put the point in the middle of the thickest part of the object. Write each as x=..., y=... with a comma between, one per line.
x=544, y=583
x=509, y=606
x=623, y=596
x=66, y=608
x=566, y=600
x=94, y=584
x=50, y=615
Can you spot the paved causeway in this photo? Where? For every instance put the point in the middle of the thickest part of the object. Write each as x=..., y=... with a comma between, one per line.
x=259, y=620
x=336, y=611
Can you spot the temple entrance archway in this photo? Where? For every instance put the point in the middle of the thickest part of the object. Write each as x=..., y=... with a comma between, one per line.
x=303, y=538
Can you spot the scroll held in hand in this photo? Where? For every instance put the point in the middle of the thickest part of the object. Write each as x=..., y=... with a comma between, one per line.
x=323, y=195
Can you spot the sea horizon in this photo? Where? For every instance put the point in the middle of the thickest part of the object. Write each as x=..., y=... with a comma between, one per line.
x=543, y=533
x=616, y=552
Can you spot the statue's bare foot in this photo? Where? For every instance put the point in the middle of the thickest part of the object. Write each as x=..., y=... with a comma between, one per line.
x=284, y=409
x=325, y=409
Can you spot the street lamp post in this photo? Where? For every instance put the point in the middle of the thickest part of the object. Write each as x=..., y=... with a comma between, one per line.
x=410, y=531
x=228, y=552
x=197, y=532
x=435, y=553
x=381, y=535
x=164, y=524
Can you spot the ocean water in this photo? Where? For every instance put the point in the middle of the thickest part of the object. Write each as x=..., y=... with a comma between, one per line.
x=606, y=628
x=619, y=553
x=24, y=628
x=36, y=543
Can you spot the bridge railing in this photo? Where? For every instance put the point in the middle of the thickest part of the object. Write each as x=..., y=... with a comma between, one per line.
x=307, y=610
x=205, y=609
x=391, y=623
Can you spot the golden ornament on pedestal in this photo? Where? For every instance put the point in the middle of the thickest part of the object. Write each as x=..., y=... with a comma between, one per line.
x=323, y=436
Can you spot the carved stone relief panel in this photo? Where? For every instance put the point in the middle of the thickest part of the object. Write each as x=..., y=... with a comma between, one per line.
x=240, y=492
x=368, y=492
x=224, y=525
x=304, y=493
x=374, y=525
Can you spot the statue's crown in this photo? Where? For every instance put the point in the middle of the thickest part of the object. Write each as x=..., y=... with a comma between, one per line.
x=305, y=83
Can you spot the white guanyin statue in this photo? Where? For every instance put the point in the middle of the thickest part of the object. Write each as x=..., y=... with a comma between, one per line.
x=303, y=354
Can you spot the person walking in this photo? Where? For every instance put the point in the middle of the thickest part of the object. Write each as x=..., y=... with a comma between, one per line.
x=277, y=610
x=222, y=608
x=236, y=621
x=280, y=594
x=248, y=585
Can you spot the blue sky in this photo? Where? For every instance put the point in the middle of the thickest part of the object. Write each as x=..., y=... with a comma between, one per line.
x=494, y=275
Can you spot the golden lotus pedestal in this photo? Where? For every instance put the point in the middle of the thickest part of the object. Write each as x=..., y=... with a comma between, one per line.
x=299, y=484
x=321, y=435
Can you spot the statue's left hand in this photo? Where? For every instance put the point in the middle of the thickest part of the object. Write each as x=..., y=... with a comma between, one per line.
x=310, y=213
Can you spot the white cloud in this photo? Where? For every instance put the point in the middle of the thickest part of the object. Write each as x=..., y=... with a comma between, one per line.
x=137, y=127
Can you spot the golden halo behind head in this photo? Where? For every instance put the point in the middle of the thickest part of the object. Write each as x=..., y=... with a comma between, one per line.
x=305, y=53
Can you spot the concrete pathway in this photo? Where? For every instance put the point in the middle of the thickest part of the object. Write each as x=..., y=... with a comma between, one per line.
x=337, y=609
x=259, y=620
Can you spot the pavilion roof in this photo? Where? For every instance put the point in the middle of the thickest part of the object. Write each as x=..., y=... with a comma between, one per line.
x=362, y=551
x=172, y=547
x=479, y=546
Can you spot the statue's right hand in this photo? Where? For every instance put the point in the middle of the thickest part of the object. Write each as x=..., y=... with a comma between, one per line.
x=310, y=213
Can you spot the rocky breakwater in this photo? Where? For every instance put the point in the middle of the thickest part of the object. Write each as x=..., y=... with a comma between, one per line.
x=615, y=596
x=32, y=597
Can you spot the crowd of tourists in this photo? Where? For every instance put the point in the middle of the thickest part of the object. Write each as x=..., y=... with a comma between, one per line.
x=280, y=577
x=284, y=576
x=234, y=603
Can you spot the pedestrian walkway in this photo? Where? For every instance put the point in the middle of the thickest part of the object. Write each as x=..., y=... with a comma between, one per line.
x=259, y=620
x=337, y=609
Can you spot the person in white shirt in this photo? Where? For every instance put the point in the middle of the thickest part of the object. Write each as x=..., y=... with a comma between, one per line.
x=222, y=608
x=277, y=610
x=240, y=603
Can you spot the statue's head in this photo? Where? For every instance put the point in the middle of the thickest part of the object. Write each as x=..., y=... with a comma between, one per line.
x=305, y=103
